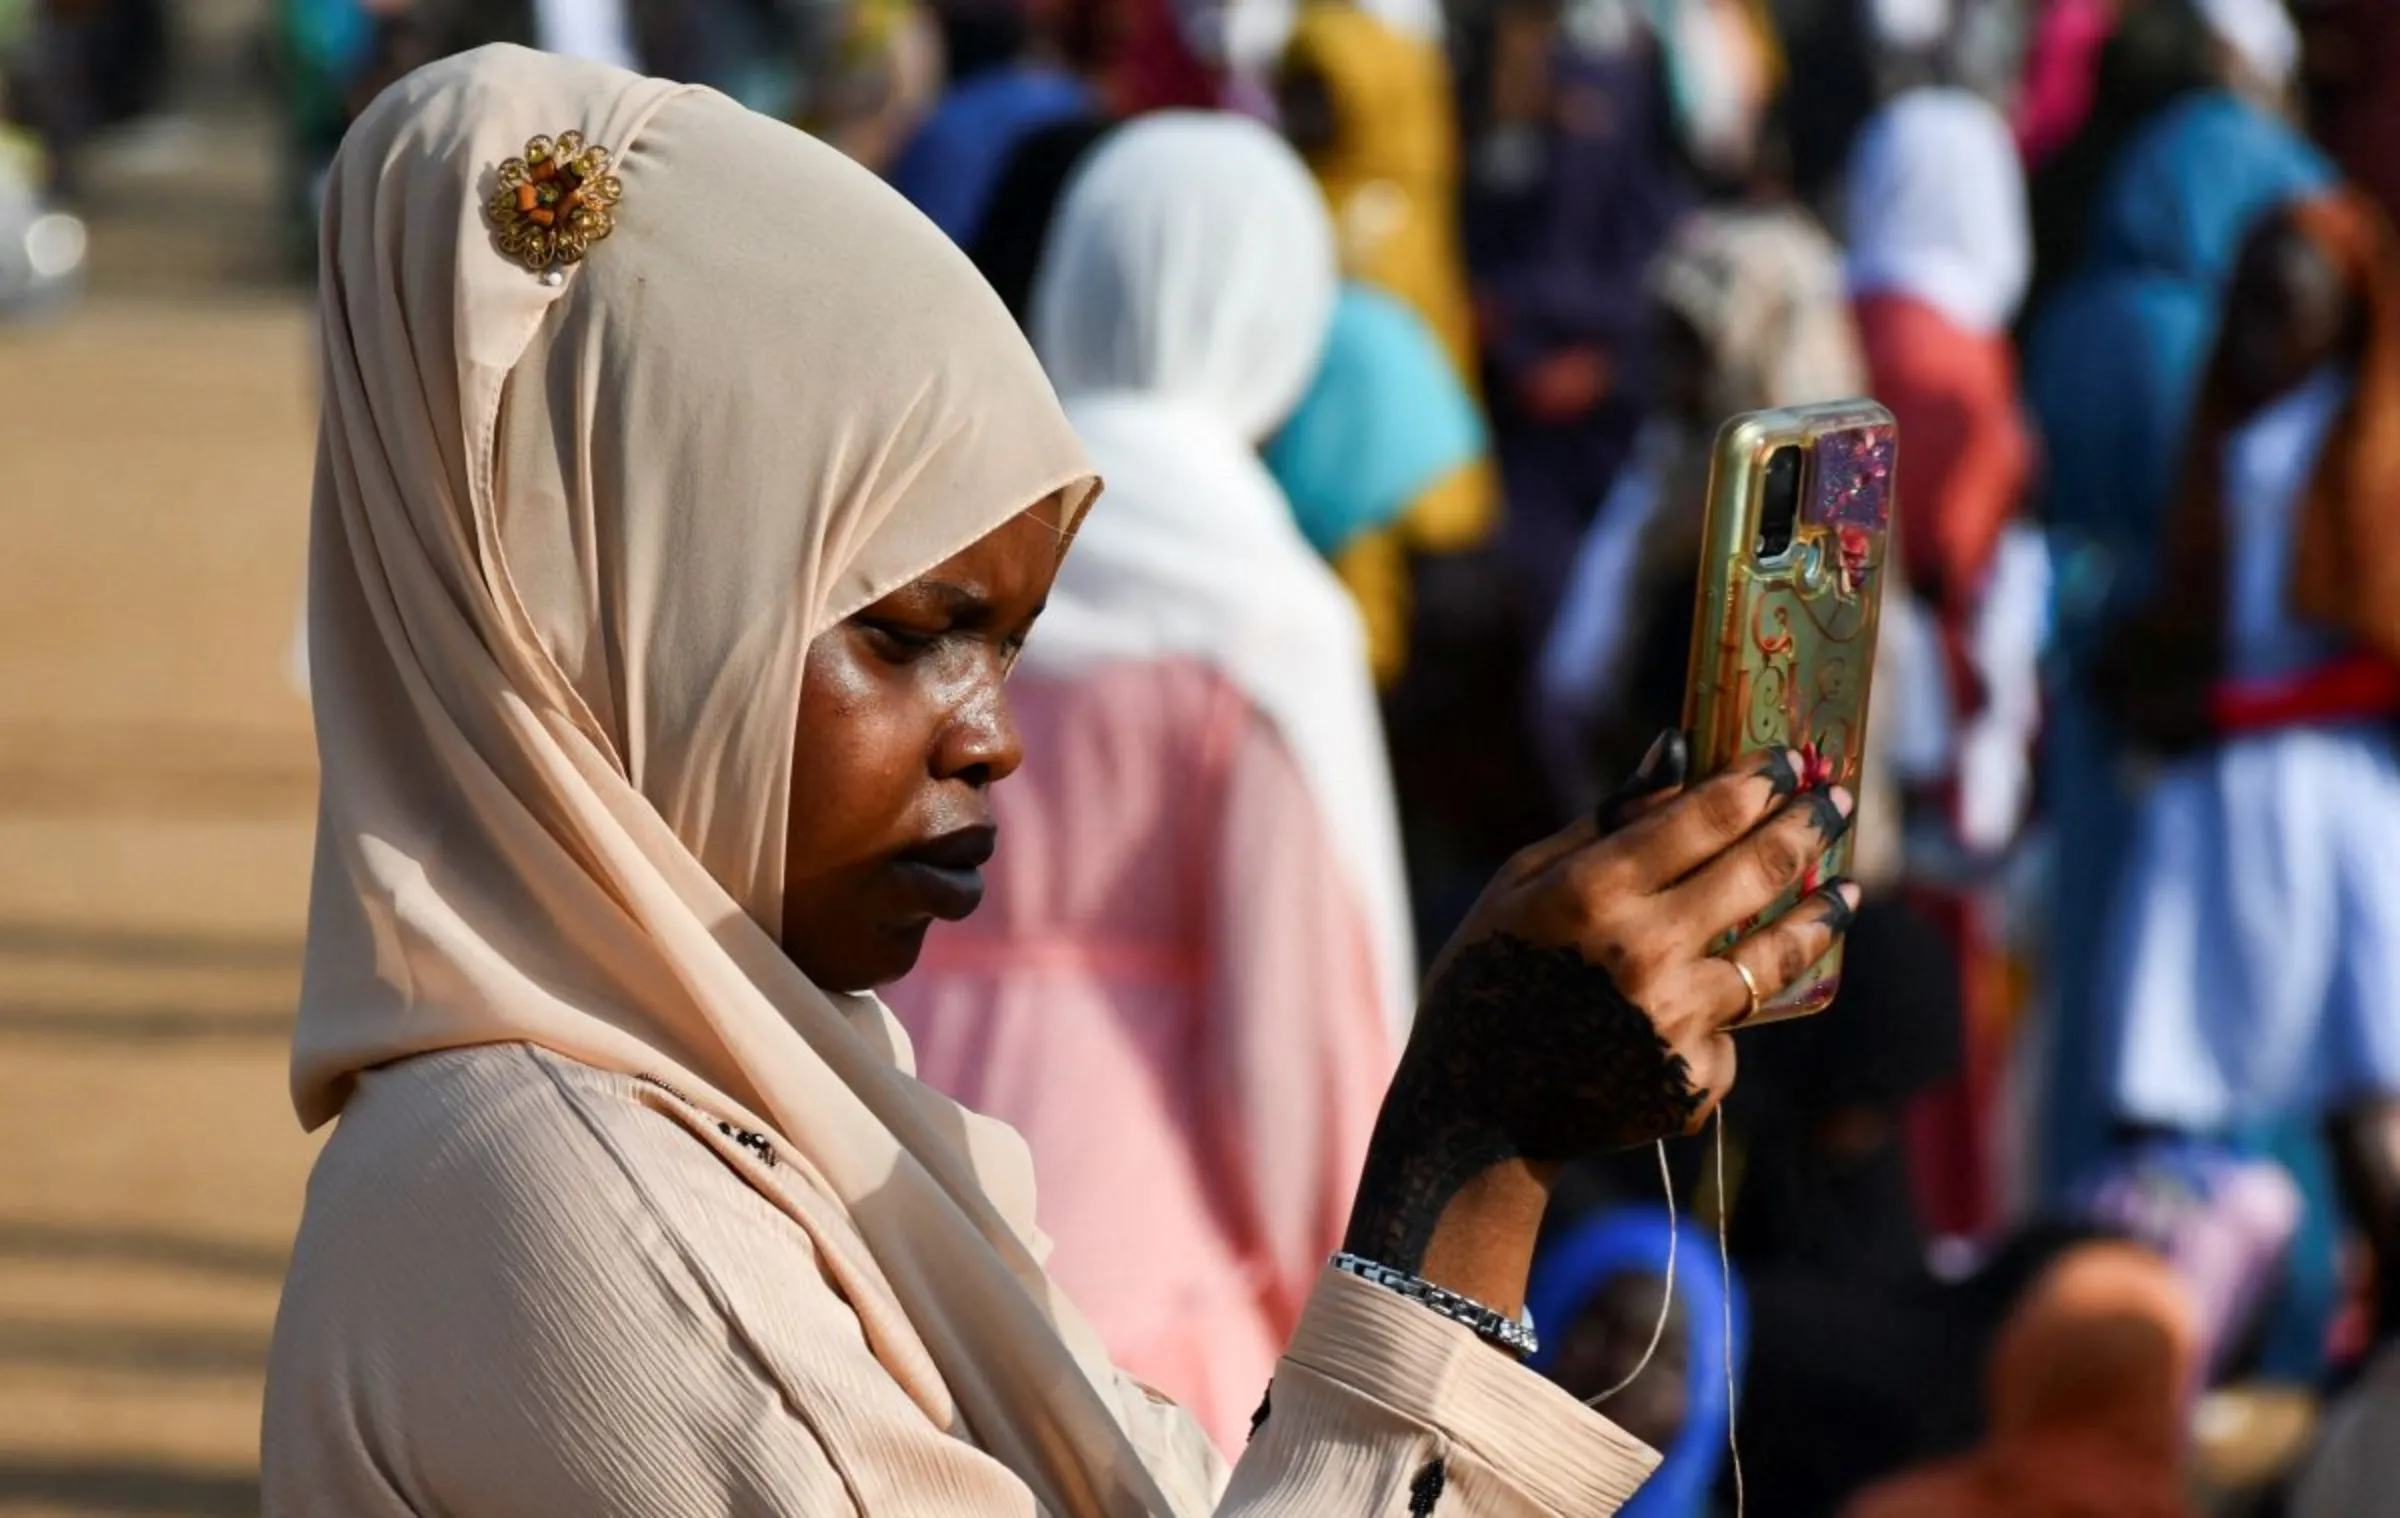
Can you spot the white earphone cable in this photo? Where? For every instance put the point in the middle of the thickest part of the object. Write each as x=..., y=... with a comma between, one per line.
x=1658, y=1330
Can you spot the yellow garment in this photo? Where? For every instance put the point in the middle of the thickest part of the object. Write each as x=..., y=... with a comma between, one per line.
x=884, y=75
x=1390, y=177
x=1390, y=174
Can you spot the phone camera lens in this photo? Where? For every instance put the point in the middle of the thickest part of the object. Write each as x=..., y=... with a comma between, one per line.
x=1779, y=513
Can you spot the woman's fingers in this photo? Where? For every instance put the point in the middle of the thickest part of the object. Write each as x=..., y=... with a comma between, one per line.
x=1746, y=879
x=1698, y=825
x=1775, y=957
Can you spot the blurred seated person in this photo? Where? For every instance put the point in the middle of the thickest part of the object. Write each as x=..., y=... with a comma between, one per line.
x=1650, y=1349
x=2090, y=1387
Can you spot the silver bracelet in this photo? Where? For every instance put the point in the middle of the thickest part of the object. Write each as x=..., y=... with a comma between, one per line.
x=1512, y=1334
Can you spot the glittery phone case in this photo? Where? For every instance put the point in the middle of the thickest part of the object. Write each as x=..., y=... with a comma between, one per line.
x=1783, y=649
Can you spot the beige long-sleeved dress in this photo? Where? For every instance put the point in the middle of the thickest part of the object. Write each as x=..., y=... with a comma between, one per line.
x=527, y=1286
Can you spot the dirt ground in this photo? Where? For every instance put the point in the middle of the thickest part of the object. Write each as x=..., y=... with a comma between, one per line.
x=156, y=787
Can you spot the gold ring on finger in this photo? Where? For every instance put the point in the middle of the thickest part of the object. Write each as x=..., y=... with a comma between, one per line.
x=1749, y=984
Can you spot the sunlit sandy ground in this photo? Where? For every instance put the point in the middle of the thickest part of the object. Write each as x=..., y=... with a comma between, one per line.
x=156, y=786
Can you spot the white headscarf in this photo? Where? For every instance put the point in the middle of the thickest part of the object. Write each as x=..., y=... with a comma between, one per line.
x=1181, y=307
x=1936, y=208
x=596, y=29
x=2258, y=32
x=569, y=545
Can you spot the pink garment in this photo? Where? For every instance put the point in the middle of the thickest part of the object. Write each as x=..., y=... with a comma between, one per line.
x=1169, y=992
x=2062, y=67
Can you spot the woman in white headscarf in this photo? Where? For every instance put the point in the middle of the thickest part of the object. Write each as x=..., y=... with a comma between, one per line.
x=668, y=551
x=1196, y=1065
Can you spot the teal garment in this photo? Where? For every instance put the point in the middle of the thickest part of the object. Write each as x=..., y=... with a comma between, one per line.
x=1385, y=420
x=326, y=45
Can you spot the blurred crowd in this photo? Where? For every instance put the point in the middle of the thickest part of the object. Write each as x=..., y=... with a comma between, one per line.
x=1401, y=331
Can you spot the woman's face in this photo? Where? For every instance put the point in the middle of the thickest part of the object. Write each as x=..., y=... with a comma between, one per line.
x=904, y=728
x=1606, y=1345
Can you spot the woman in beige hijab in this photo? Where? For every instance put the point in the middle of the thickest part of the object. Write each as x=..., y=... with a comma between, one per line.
x=670, y=547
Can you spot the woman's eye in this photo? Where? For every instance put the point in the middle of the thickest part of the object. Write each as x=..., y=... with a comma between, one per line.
x=901, y=644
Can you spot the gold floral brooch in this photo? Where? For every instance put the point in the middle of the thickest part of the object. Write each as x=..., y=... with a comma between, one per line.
x=554, y=203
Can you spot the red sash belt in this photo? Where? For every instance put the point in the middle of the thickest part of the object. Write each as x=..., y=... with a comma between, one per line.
x=2352, y=688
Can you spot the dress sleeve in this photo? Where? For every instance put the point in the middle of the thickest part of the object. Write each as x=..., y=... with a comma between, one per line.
x=1383, y=1407
x=1294, y=1040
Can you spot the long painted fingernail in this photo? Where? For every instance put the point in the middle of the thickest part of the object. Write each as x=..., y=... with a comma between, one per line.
x=1656, y=755
x=1841, y=904
x=1781, y=767
x=1829, y=807
x=1662, y=769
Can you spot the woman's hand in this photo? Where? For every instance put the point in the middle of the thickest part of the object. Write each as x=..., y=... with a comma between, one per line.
x=1579, y=1010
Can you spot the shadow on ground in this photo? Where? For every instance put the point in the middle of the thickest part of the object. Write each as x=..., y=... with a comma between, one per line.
x=145, y=1491
x=174, y=1249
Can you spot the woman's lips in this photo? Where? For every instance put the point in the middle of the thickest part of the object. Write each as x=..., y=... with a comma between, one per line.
x=946, y=874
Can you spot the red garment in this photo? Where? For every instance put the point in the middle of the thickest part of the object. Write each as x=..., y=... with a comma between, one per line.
x=2358, y=686
x=1149, y=66
x=1133, y=52
x=1953, y=1145
x=1965, y=454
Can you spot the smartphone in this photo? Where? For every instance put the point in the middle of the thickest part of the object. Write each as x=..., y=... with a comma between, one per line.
x=1790, y=598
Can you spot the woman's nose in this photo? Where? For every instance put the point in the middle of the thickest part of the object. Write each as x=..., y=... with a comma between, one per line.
x=981, y=744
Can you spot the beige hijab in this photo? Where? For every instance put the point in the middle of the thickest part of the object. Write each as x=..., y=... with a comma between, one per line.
x=570, y=543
